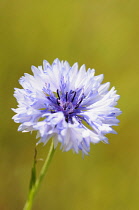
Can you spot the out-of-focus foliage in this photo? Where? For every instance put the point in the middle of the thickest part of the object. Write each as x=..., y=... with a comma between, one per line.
x=103, y=35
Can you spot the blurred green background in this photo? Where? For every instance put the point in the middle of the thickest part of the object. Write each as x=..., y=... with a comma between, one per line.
x=103, y=35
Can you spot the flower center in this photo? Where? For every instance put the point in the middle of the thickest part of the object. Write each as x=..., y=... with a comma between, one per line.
x=67, y=102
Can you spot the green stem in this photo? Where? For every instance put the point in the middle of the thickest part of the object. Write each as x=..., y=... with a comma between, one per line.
x=35, y=187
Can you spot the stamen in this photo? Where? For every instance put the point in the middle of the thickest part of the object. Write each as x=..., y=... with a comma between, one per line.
x=79, y=101
x=58, y=94
x=58, y=101
x=71, y=112
x=73, y=96
x=49, y=98
x=52, y=111
x=65, y=106
x=66, y=96
x=66, y=118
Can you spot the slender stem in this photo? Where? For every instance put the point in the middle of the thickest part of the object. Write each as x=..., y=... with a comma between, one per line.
x=35, y=187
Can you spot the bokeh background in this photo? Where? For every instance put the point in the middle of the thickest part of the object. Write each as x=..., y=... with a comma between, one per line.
x=103, y=35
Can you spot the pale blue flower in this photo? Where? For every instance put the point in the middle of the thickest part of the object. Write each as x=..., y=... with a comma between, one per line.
x=68, y=104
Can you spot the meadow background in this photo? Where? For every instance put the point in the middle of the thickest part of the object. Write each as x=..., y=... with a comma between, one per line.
x=103, y=35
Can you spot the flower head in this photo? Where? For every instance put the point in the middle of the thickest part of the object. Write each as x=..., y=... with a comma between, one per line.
x=68, y=104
